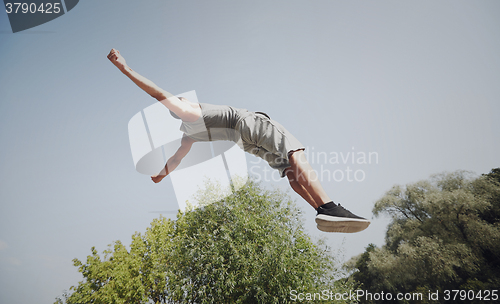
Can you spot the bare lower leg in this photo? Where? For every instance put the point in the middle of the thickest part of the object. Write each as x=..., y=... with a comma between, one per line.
x=300, y=190
x=305, y=175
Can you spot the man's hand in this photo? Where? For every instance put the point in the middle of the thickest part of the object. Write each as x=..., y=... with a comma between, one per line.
x=157, y=178
x=117, y=59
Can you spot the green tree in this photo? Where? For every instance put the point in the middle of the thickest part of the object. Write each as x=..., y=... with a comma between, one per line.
x=444, y=234
x=249, y=247
x=127, y=276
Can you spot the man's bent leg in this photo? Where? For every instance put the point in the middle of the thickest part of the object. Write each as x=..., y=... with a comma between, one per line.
x=305, y=175
x=331, y=217
x=299, y=189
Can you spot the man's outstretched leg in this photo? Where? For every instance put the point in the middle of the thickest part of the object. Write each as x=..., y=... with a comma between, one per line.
x=331, y=217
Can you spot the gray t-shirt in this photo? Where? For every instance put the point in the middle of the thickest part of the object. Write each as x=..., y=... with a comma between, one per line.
x=217, y=122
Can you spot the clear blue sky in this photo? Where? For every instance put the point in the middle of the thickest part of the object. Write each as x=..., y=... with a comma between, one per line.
x=417, y=82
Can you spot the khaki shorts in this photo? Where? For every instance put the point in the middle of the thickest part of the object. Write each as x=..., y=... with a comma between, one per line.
x=269, y=140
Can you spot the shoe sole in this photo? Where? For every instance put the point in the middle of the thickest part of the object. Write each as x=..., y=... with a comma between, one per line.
x=342, y=229
x=340, y=224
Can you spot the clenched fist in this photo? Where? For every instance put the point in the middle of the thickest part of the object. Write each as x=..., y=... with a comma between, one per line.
x=117, y=59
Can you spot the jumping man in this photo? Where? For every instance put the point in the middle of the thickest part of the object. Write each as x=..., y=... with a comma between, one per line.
x=260, y=136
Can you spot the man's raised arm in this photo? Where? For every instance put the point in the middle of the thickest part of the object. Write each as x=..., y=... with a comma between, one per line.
x=173, y=103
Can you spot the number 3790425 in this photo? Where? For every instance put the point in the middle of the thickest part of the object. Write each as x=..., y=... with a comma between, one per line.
x=25, y=8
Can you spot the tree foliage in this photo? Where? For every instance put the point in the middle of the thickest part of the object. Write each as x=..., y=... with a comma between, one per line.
x=121, y=275
x=246, y=248
x=444, y=234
